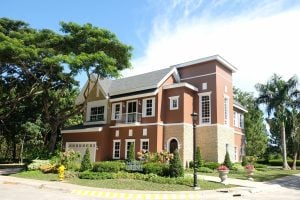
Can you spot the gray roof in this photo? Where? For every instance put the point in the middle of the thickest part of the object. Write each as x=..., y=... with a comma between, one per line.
x=134, y=83
x=239, y=105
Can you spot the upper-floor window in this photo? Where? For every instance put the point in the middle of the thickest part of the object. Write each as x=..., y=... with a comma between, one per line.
x=97, y=114
x=205, y=110
x=238, y=120
x=116, y=111
x=174, y=102
x=241, y=121
x=226, y=110
x=149, y=107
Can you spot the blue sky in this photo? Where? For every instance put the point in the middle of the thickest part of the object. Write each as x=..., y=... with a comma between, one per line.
x=259, y=37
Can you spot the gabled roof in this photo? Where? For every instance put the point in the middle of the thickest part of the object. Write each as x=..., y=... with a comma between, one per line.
x=129, y=85
x=207, y=59
x=238, y=105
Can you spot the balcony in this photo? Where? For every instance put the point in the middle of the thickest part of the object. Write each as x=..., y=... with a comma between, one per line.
x=129, y=118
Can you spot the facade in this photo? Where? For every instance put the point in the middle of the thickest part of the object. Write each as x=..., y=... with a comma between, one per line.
x=152, y=111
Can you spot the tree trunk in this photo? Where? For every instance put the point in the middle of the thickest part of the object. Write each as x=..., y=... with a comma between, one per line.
x=284, y=163
x=52, y=141
x=295, y=160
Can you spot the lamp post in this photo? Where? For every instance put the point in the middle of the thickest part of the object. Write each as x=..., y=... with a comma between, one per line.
x=194, y=117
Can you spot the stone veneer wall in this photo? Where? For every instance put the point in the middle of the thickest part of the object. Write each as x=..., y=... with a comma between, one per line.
x=184, y=134
x=212, y=141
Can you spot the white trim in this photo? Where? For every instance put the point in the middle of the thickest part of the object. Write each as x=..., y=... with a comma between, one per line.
x=171, y=102
x=92, y=104
x=206, y=59
x=200, y=107
x=126, y=141
x=139, y=124
x=166, y=77
x=239, y=107
x=83, y=130
x=226, y=117
x=199, y=76
x=239, y=133
x=134, y=96
x=141, y=144
x=178, y=124
x=136, y=107
x=88, y=142
x=144, y=110
x=114, y=143
x=113, y=111
x=177, y=85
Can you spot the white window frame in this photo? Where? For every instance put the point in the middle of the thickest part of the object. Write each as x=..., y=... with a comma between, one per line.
x=235, y=153
x=92, y=104
x=113, y=112
x=226, y=110
x=127, y=107
x=176, y=98
x=241, y=121
x=236, y=119
x=126, y=142
x=145, y=107
x=114, y=149
x=141, y=144
x=200, y=108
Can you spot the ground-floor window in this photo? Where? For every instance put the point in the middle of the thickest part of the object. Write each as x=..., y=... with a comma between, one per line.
x=127, y=146
x=117, y=148
x=145, y=145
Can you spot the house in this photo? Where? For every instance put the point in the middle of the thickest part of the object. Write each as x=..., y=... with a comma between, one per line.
x=153, y=110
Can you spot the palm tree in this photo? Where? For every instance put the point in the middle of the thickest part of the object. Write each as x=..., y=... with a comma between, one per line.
x=278, y=96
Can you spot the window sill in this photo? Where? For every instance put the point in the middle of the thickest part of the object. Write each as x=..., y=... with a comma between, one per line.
x=94, y=122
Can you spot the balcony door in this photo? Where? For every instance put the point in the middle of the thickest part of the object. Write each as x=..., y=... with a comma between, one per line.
x=131, y=116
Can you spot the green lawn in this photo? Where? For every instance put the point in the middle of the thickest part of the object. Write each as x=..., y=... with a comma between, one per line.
x=260, y=176
x=129, y=184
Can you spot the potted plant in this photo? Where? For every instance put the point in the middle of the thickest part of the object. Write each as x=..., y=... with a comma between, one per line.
x=223, y=171
x=250, y=171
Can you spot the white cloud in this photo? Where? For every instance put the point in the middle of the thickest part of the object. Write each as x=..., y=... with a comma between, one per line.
x=258, y=42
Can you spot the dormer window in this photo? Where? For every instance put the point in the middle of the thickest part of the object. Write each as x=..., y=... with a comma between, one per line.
x=174, y=102
x=97, y=114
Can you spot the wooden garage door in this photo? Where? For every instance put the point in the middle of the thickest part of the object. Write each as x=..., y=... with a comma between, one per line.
x=81, y=147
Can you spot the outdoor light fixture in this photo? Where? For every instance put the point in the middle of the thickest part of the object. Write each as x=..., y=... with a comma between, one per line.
x=194, y=117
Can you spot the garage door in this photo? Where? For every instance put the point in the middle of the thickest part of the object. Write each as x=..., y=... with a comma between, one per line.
x=81, y=148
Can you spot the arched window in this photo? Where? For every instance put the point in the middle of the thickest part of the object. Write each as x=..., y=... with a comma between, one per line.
x=173, y=145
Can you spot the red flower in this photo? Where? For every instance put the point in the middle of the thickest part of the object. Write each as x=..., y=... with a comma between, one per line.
x=249, y=167
x=222, y=168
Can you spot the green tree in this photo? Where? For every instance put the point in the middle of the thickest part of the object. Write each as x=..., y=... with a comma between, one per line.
x=86, y=163
x=199, y=160
x=294, y=126
x=255, y=129
x=278, y=95
x=227, y=162
x=175, y=167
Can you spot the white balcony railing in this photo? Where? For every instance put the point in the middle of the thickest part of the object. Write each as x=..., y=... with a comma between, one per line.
x=129, y=118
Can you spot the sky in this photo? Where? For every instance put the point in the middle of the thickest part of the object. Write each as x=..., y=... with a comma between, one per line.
x=259, y=37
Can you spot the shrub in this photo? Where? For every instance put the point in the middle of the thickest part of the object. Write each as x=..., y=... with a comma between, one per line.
x=95, y=175
x=237, y=167
x=160, y=169
x=260, y=166
x=48, y=168
x=131, y=154
x=205, y=170
x=69, y=159
x=175, y=167
x=244, y=161
x=227, y=162
x=86, y=163
x=36, y=164
x=199, y=160
x=108, y=166
x=279, y=162
x=211, y=165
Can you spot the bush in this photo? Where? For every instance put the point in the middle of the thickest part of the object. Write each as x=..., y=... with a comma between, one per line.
x=48, y=168
x=237, y=167
x=95, y=175
x=160, y=169
x=131, y=153
x=199, y=160
x=175, y=167
x=259, y=166
x=244, y=161
x=279, y=162
x=227, y=162
x=36, y=164
x=86, y=163
x=205, y=170
x=69, y=159
x=108, y=166
x=211, y=165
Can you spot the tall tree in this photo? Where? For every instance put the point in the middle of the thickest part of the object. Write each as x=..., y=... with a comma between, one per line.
x=256, y=132
x=278, y=96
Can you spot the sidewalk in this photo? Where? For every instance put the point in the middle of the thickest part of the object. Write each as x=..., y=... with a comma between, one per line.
x=236, y=193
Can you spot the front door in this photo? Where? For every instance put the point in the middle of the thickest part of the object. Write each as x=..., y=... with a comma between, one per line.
x=173, y=145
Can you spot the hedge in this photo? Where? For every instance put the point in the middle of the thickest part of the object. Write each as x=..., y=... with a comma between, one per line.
x=160, y=169
x=108, y=166
x=211, y=165
x=279, y=162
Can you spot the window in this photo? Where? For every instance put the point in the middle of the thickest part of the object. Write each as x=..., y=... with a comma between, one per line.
x=97, y=114
x=117, y=148
x=241, y=121
x=149, y=107
x=226, y=110
x=204, y=86
x=236, y=119
x=235, y=154
x=174, y=102
x=128, y=143
x=205, y=108
x=116, y=111
x=145, y=145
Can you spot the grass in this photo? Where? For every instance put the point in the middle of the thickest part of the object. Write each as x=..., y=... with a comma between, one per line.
x=128, y=184
x=259, y=176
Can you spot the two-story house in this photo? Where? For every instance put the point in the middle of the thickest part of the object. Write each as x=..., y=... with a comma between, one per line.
x=153, y=110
